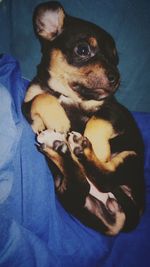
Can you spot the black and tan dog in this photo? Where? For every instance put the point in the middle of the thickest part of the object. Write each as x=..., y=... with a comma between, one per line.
x=92, y=141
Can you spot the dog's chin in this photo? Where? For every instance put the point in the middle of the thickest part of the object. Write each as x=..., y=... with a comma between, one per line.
x=98, y=94
x=102, y=94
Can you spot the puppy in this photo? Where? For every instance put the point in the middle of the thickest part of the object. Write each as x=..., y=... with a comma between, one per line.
x=91, y=141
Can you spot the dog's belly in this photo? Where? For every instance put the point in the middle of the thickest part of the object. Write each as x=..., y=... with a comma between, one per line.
x=103, y=197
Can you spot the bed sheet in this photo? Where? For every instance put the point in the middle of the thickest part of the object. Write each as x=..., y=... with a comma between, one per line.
x=35, y=230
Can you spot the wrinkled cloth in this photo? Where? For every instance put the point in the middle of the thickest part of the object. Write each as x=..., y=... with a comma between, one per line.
x=35, y=230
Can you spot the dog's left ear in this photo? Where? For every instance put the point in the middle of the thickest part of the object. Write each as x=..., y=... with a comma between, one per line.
x=48, y=20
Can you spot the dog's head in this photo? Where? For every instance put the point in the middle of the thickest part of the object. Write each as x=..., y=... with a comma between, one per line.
x=79, y=58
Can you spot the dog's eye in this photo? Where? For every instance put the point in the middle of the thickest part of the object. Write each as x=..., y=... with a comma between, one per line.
x=82, y=50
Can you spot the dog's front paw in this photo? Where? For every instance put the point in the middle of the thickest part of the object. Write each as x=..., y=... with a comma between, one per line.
x=54, y=140
x=78, y=143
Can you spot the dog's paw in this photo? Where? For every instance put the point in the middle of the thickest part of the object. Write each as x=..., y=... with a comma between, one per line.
x=54, y=140
x=78, y=143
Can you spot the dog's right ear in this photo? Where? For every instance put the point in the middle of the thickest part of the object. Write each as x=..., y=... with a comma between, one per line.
x=48, y=20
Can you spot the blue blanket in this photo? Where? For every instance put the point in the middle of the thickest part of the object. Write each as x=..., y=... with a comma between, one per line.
x=35, y=230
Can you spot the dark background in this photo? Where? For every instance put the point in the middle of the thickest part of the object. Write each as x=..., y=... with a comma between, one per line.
x=127, y=20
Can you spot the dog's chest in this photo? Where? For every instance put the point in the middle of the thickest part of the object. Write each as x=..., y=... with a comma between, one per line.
x=77, y=117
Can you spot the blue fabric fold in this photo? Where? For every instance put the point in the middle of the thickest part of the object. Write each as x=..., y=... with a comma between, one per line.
x=35, y=230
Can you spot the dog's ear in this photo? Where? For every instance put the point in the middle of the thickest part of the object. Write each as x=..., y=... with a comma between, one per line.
x=48, y=20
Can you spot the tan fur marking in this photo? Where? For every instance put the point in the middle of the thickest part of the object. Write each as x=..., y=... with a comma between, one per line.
x=33, y=91
x=93, y=41
x=118, y=159
x=112, y=164
x=99, y=132
x=93, y=77
x=127, y=190
x=120, y=220
x=91, y=105
x=62, y=74
x=37, y=124
x=48, y=109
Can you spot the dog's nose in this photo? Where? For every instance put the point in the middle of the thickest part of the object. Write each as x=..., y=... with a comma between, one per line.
x=112, y=77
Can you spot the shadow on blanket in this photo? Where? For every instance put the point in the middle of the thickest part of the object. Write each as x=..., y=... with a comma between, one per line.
x=34, y=229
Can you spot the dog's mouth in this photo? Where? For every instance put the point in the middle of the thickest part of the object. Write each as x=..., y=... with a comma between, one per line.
x=87, y=93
